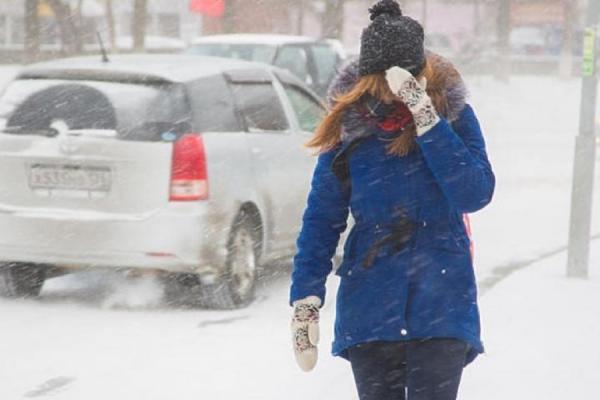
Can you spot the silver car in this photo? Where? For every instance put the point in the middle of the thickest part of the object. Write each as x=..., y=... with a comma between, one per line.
x=184, y=166
x=313, y=61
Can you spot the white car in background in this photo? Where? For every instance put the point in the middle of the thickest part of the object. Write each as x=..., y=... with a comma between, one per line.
x=313, y=61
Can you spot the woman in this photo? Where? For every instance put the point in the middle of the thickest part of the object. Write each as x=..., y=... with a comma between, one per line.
x=408, y=163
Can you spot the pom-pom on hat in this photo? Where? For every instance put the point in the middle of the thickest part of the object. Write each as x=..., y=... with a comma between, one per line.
x=392, y=40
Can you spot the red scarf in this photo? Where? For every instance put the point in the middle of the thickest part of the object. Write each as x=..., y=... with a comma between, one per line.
x=397, y=120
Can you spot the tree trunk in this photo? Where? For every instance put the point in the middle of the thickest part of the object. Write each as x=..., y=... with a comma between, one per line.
x=70, y=34
x=566, y=59
x=301, y=6
x=140, y=13
x=78, y=24
x=80, y=11
x=503, y=34
x=110, y=21
x=32, y=31
x=333, y=19
x=230, y=17
x=477, y=28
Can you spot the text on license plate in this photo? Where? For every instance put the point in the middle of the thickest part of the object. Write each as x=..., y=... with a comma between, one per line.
x=70, y=177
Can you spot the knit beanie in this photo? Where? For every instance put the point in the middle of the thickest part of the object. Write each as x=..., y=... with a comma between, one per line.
x=392, y=40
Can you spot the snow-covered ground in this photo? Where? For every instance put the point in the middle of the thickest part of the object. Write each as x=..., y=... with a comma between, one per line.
x=541, y=333
x=96, y=338
x=530, y=127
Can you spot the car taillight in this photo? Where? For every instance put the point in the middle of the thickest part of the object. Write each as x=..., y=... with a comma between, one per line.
x=189, y=178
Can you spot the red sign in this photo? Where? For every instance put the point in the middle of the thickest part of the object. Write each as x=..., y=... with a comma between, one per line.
x=210, y=8
x=547, y=12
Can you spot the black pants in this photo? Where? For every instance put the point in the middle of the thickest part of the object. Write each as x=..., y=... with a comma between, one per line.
x=414, y=370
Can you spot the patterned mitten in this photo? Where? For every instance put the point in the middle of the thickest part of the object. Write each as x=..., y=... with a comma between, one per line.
x=305, y=332
x=413, y=94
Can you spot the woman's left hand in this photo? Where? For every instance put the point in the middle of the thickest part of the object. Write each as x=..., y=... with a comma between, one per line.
x=413, y=93
x=305, y=332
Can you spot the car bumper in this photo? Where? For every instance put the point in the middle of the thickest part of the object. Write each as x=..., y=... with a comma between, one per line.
x=180, y=238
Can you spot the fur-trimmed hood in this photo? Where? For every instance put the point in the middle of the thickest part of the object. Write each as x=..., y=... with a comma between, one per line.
x=446, y=82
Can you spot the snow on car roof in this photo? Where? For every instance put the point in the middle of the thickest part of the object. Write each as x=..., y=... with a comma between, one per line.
x=273, y=40
x=134, y=67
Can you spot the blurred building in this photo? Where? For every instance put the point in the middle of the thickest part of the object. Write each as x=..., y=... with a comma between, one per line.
x=302, y=17
x=169, y=25
x=451, y=26
x=456, y=21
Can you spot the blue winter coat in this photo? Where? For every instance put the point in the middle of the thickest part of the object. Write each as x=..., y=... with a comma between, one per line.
x=428, y=289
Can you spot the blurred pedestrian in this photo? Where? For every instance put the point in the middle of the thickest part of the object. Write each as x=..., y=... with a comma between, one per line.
x=403, y=151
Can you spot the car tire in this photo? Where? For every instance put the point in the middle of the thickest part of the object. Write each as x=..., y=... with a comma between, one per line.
x=19, y=280
x=235, y=287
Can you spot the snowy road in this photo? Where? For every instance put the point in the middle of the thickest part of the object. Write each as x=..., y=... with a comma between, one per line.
x=92, y=338
x=68, y=346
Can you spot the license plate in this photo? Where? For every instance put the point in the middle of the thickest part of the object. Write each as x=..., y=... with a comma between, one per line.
x=70, y=177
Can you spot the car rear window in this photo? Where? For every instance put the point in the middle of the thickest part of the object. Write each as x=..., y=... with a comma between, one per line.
x=213, y=105
x=260, y=107
x=135, y=111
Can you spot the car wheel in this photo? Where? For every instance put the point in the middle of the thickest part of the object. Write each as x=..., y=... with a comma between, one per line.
x=18, y=280
x=236, y=286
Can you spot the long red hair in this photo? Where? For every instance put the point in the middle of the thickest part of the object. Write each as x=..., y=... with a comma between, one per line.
x=328, y=134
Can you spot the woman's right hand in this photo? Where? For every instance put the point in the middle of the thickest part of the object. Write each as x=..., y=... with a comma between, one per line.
x=305, y=332
x=413, y=93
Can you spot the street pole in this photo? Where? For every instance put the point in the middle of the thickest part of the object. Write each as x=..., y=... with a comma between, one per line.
x=585, y=153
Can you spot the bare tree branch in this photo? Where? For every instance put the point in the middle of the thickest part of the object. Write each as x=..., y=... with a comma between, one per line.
x=70, y=34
